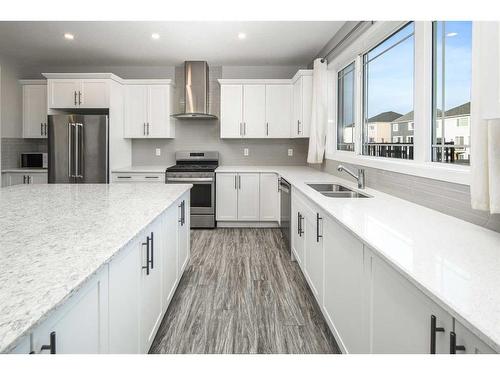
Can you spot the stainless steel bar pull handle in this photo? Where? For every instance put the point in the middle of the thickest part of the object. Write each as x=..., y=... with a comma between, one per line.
x=148, y=261
x=318, y=236
x=71, y=149
x=267, y=128
x=78, y=150
x=453, y=344
x=52, y=345
x=148, y=128
x=235, y=182
x=79, y=97
x=434, y=329
x=41, y=128
x=75, y=97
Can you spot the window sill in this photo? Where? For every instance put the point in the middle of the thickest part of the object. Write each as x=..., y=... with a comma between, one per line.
x=458, y=174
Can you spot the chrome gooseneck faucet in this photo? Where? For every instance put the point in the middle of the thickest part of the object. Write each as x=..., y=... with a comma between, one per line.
x=360, y=177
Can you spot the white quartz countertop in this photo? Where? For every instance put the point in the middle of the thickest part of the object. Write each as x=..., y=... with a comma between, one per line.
x=54, y=237
x=25, y=170
x=455, y=263
x=142, y=169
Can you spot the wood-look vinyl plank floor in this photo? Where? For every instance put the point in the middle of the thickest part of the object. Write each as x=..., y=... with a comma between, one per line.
x=242, y=294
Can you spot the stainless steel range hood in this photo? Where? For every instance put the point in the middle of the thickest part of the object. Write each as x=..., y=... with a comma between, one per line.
x=195, y=92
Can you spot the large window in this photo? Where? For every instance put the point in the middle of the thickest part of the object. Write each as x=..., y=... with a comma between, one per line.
x=452, y=50
x=388, y=71
x=345, y=109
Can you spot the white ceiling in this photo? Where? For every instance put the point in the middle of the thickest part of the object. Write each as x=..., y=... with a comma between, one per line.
x=130, y=43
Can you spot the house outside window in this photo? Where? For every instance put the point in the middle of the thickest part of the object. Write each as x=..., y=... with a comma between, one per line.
x=388, y=82
x=452, y=71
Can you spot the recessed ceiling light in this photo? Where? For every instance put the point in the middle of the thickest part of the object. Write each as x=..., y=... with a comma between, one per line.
x=69, y=36
x=242, y=36
x=155, y=36
x=451, y=34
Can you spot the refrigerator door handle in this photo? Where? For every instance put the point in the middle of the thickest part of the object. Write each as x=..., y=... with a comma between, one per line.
x=78, y=150
x=71, y=127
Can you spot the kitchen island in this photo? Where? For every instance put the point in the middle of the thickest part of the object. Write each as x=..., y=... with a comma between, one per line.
x=57, y=240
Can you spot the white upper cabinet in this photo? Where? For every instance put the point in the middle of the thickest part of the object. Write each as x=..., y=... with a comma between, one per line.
x=278, y=111
x=266, y=108
x=35, y=111
x=231, y=108
x=136, y=109
x=147, y=111
x=302, y=103
x=254, y=111
x=78, y=93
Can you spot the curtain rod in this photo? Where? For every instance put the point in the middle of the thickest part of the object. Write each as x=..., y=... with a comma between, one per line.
x=347, y=36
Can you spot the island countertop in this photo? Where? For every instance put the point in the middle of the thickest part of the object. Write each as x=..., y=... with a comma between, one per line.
x=55, y=237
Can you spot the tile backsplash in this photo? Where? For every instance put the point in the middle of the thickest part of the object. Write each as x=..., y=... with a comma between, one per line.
x=449, y=198
x=13, y=147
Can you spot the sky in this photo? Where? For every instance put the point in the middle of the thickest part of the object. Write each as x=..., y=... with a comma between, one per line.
x=390, y=78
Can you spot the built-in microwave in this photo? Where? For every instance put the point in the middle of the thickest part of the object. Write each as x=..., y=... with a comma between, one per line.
x=34, y=160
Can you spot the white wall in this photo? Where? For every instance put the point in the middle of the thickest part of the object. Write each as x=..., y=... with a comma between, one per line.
x=11, y=99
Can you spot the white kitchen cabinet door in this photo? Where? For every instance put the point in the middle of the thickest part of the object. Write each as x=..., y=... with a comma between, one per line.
x=278, y=111
x=248, y=196
x=94, y=93
x=80, y=327
x=302, y=104
x=151, y=307
x=470, y=342
x=231, y=116
x=226, y=196
x=14, y=179
x=124, y=291
x=136, y=97
x=254, y=111
x=63, y=93
x=269, y=197
x=345, y=303
x=314, y=252
x=38, y=178
x=401, y=314
x=35, y=111
x=170, y=255
x=184, y=239
x=298, y=231
x=159, y=121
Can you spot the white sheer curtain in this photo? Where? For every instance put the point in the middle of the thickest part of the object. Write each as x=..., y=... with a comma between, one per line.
x=485, y=117
x=319, y=119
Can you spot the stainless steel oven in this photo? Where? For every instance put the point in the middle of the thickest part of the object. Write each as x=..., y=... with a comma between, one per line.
x=197, y=168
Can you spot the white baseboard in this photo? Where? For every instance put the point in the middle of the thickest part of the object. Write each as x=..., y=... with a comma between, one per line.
x=247, y=224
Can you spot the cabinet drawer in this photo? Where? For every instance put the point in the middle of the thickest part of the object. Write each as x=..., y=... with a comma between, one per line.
x=138, y=177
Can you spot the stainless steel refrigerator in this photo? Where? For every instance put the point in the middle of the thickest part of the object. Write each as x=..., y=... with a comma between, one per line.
x=78, y=149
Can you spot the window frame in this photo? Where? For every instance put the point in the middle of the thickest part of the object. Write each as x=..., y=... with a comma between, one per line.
x=337, y=102
x=422, y=164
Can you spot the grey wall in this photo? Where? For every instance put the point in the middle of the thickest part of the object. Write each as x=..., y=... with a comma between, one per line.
x=205, y=135
x=11, y=99
x=449, y=198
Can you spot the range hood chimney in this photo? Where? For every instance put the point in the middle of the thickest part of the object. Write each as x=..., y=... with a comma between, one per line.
x=195, y=92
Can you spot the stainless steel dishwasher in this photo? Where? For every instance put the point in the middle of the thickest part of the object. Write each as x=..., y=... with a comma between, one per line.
x=286, y=212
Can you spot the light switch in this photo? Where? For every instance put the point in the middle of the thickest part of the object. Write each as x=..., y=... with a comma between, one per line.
x=290, y=152
x=158, y=151
x=245, y=151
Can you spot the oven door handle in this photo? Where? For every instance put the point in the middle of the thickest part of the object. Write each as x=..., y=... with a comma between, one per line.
x=187, y=179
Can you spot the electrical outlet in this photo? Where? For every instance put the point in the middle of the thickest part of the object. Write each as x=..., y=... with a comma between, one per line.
x=245, y=152
x=290, y=152
x=158, y=151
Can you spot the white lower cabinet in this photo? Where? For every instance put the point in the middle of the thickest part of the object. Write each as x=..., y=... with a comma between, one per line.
x=344, y=298
x=137, y=177
x=401, y=315
x=313, y=270
x=19, y=178
x=368, y=304
x=247, y=197
x=184, y=225
x=80, y=326
x=151, y=309
x=124, y=299
x=269, y=197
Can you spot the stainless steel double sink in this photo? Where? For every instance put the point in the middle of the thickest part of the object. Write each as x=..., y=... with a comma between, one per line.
x=337, y=191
